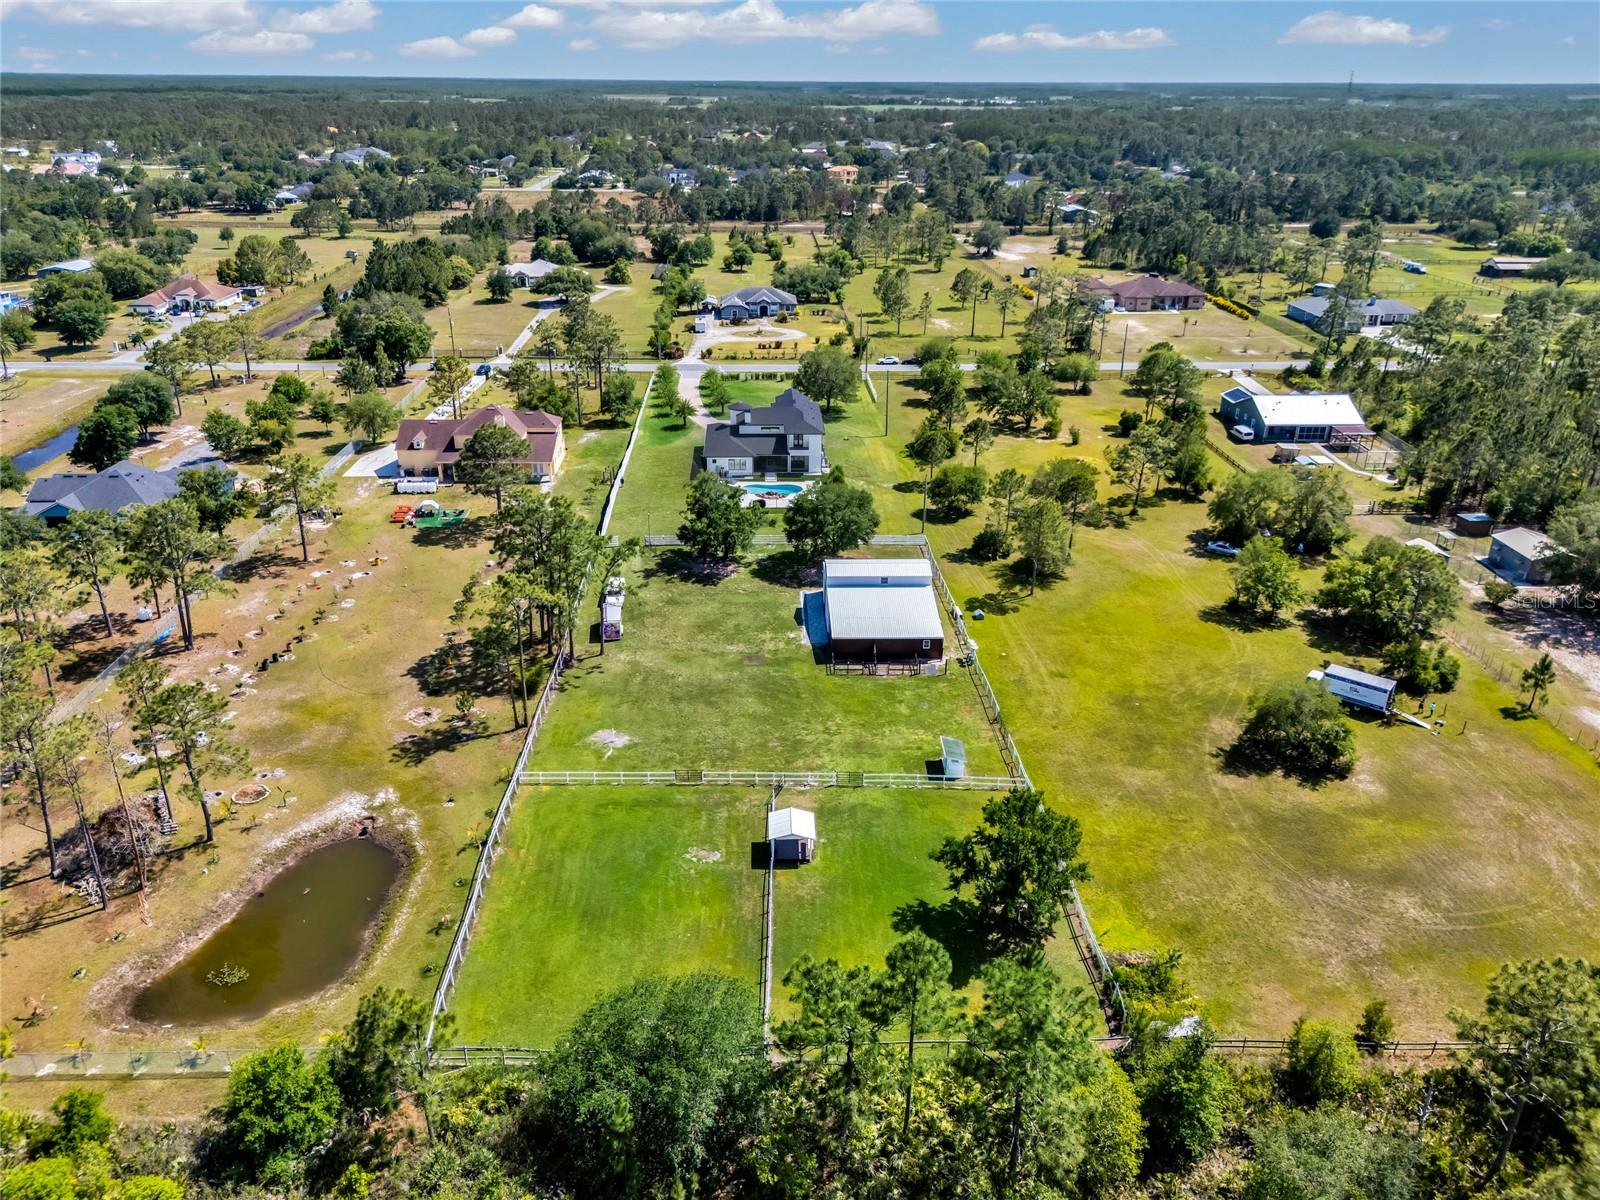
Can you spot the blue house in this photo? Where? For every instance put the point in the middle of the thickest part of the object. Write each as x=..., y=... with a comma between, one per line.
x=1330, y=418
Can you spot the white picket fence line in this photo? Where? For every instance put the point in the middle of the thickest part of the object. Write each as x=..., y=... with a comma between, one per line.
x=795, y=779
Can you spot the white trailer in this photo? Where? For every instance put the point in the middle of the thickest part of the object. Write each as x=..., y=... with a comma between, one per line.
x=1375, y=692
x=415, y=487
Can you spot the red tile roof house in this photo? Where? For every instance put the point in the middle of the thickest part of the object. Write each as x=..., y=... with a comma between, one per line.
x=185, y=293
x=432, y=448
x=1147, y=293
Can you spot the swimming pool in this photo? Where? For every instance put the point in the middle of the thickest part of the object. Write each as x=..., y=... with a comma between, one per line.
x=773, y=489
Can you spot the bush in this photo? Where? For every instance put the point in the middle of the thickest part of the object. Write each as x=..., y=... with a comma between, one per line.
x=1498, y=591
x=1128, y=421
x=991, y=545
x=1297, y=728
x=1321, y=1064
x=1375, y=1027
x=1420, y=668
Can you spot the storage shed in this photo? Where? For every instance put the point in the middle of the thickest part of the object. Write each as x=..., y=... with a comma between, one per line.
x=952, y=758
x=792, y=835
x=1474, y=524
x=1521, y=555
x=611, y=609
x=1360, y=688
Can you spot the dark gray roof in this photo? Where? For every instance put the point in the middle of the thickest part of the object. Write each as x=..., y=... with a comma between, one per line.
x=723, y=442
x=1317, y=305
x=117, y=487
x=794, y=410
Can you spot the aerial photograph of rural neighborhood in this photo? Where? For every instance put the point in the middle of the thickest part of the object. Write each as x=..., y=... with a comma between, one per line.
x=869, y=599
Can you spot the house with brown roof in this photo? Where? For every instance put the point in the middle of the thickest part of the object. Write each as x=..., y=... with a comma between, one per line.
x=845, y=173
x=1146, y=293
x=186, y=294
x=432, y=448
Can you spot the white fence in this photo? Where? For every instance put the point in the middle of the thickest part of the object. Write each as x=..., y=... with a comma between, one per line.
x=795, y=779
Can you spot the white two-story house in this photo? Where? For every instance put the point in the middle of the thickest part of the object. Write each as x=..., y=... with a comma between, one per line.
x=784, y=438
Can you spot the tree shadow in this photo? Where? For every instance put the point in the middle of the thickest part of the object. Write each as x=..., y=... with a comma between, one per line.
x=266, y=563
x=417, y=748
x=954, y=925
x=1515, y=712
x=1239, y=765
x=1001, y=602
x=1229, y=615
x=1325, y=633
x=453, y=537
x=787, y=569
x=678, y=563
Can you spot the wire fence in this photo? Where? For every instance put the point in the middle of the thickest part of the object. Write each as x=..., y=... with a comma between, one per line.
x=1580, y=732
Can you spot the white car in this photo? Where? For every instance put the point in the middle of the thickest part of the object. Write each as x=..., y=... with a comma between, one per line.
x=1222, y=549
x=888, y=360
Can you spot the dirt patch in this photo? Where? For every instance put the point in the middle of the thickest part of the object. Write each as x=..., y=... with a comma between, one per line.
x=612, y=740
x=700, y=855
x=250, y=793
x=422, y=717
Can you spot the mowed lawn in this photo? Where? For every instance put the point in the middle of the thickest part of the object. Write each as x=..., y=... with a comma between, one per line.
x=718, y=675
x=597, y=887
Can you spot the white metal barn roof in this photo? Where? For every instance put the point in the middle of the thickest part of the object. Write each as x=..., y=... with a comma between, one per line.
x=791, y=823
x=1529, y=543
x=871, y=569
x=865, y=613
x=1315, y=408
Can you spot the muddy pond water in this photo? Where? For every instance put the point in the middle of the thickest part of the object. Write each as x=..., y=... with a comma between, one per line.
x=301, y=932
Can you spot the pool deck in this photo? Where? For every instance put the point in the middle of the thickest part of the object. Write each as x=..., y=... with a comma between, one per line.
x=770, y=495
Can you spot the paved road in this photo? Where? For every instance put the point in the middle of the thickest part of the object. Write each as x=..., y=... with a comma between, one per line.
x=124, y=363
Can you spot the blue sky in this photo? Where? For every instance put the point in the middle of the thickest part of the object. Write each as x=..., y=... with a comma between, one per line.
x=1509, y=41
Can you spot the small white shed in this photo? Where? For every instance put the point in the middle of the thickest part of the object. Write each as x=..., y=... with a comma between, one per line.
x=953, y=757
x=792, y=835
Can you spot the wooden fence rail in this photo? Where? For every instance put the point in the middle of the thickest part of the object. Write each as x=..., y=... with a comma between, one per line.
x=801, y=779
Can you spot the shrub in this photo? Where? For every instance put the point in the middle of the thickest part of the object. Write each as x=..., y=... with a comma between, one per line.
x=1321, y=1064
x=1128, y=421
x=1375, y=1027
x=991, y=545
x=1498, y=591
x=1230, y=307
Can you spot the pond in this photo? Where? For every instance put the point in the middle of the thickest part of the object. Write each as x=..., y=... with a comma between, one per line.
x=301, y=932
x=37, y=456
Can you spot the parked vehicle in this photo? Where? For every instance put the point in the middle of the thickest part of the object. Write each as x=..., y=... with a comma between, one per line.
x=1222, y=549
x=888, y=360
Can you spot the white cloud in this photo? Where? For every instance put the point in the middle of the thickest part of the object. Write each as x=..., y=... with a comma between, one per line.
x=260, y=41
x=534, y=16
x=581, y=44
x=1497, y=23
x=1330, y=28
x=35, y=54
x=1569, y=40
x=342, y=16
x=596, y=5
x=489, y=37
x=184, y=15
x=342, y=56
x=762, y=20
x=436, y=47
x=1043, y=37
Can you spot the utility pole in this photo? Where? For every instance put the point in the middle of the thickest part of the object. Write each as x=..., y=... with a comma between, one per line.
x=450, y=317
x=1122, y=364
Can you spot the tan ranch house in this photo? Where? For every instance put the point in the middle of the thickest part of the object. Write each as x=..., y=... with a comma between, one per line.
x=431, y=449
